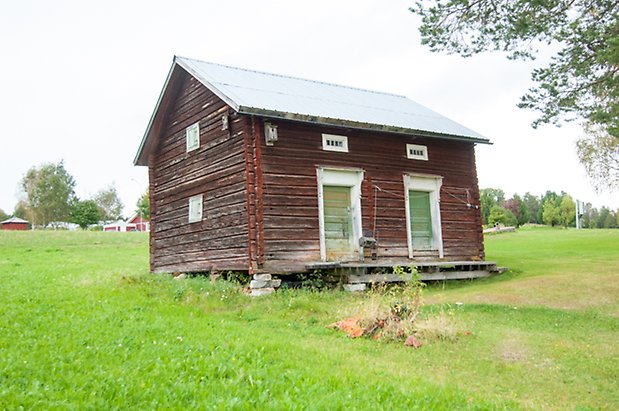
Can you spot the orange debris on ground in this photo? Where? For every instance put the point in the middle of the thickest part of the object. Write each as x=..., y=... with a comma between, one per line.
x=350, y=326
x=411, y=341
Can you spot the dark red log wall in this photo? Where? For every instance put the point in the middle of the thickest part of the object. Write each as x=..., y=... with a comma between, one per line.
x=216, y=170
x=291, y=228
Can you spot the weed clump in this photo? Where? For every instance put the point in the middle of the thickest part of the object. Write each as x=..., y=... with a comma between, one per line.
x=391, y=313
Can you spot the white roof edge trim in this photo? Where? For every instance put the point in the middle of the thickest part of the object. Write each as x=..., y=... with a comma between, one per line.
x=358, y=125
x=153, y=115
x=181, y=62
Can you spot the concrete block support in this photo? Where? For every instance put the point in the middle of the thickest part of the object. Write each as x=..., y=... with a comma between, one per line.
x=354, y=287
x=263, y=284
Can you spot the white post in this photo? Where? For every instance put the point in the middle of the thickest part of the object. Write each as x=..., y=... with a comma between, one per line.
x=578, y=207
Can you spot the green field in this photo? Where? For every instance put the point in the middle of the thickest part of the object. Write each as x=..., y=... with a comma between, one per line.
x=83, y=325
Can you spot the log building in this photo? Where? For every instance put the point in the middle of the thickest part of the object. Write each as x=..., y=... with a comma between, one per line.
x=273, y=174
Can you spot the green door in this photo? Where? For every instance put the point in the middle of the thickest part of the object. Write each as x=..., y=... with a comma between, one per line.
x=421, y=219
x=338, y=222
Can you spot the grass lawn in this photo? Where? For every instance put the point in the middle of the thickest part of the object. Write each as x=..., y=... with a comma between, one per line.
x=83, y=325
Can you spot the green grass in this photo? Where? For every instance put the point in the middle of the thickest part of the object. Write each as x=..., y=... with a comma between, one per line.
x=557, y=268
x=83, y=325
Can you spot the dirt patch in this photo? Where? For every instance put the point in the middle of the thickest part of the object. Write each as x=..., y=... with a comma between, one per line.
x=513, y=349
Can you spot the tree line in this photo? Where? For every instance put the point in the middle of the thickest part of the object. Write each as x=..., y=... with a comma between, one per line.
x=581, y=80
x=47, y=198
x=549, y=209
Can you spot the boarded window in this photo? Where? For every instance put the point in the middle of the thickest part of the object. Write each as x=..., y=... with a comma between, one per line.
x=417, y=152
x=423, y=214
x=192, y=136
x=420, y=219
x=195, y=208
x=332, y=142
x=338, y=217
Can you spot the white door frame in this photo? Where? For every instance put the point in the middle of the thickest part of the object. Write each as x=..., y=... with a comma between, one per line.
x=343, y=177
x=431, y=184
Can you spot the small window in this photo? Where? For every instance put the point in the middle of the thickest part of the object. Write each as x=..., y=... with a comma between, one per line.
x=332, y=142
x=417, y=152
x=195, y=208
x=192, y=135
x=270, y=133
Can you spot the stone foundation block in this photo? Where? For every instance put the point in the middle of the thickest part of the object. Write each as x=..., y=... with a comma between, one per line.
x=354, y=287
x=257, y=292
x=254, y=284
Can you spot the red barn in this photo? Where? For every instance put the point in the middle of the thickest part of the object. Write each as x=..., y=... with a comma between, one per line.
x=14, y=223
x=134, y=223
x=139, y=223
x=273, y=175
x=120, y=226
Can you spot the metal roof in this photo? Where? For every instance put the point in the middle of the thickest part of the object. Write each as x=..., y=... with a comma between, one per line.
x=14, y=220
x=277, y=96
x=254, y=92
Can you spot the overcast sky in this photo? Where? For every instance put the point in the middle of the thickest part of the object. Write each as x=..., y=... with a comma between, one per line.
x=79, y=81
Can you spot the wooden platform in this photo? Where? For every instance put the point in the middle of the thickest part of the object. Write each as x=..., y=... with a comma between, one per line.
x=374, y=271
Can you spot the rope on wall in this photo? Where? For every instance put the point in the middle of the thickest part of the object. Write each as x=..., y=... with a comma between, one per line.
x=397, y=195
x=453, y=192
x=447, y=190
x=374, y=233
x=382, y=190
x=468, y=202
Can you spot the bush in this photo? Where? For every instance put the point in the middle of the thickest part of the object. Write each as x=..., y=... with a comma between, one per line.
x=502, y=216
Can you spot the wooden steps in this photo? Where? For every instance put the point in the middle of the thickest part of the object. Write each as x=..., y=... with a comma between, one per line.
x=375, y=271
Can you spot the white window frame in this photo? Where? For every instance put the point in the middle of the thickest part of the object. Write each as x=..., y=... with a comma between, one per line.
x=270, y=134
x=195, y=208
x=192, y=137
x=431, y=184
x=415, y=156
x=345, y=177
x=336, y=138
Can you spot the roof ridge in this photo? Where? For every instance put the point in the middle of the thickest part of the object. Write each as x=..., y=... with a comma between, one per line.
x=292, y=77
